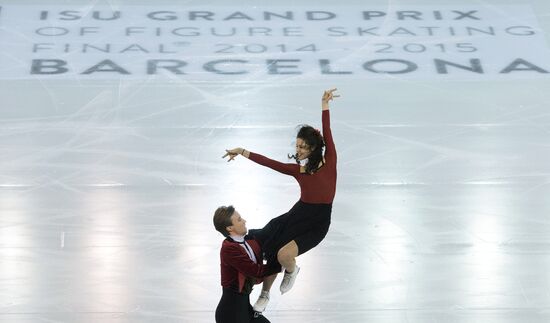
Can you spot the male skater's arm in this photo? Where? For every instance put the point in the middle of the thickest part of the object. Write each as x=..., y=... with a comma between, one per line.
x=235, y=256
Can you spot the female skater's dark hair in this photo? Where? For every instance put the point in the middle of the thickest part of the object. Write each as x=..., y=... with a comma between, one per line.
x=314, y=140
x=222, y=219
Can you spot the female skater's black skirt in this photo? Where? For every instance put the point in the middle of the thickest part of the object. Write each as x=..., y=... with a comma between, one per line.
x=306, y=223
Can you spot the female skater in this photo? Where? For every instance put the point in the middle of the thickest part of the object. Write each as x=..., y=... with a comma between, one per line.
x=307, y=223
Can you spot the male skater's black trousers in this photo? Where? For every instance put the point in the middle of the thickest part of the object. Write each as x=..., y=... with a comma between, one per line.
x=234, y=307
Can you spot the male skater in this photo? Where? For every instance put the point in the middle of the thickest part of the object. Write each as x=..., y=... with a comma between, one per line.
x=241, y=268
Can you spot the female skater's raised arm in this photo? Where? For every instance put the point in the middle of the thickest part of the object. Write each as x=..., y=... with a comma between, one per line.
x=330, y=150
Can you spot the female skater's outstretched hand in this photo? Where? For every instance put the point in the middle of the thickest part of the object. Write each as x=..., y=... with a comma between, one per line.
x=232, y=153
x=329, y=95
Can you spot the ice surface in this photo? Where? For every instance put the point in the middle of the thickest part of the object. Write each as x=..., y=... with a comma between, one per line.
x=108, y=187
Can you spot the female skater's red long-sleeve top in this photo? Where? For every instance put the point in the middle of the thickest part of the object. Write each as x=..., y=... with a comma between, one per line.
x=319, y=187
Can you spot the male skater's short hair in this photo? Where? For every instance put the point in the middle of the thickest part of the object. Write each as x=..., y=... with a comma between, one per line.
x=222, y=219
